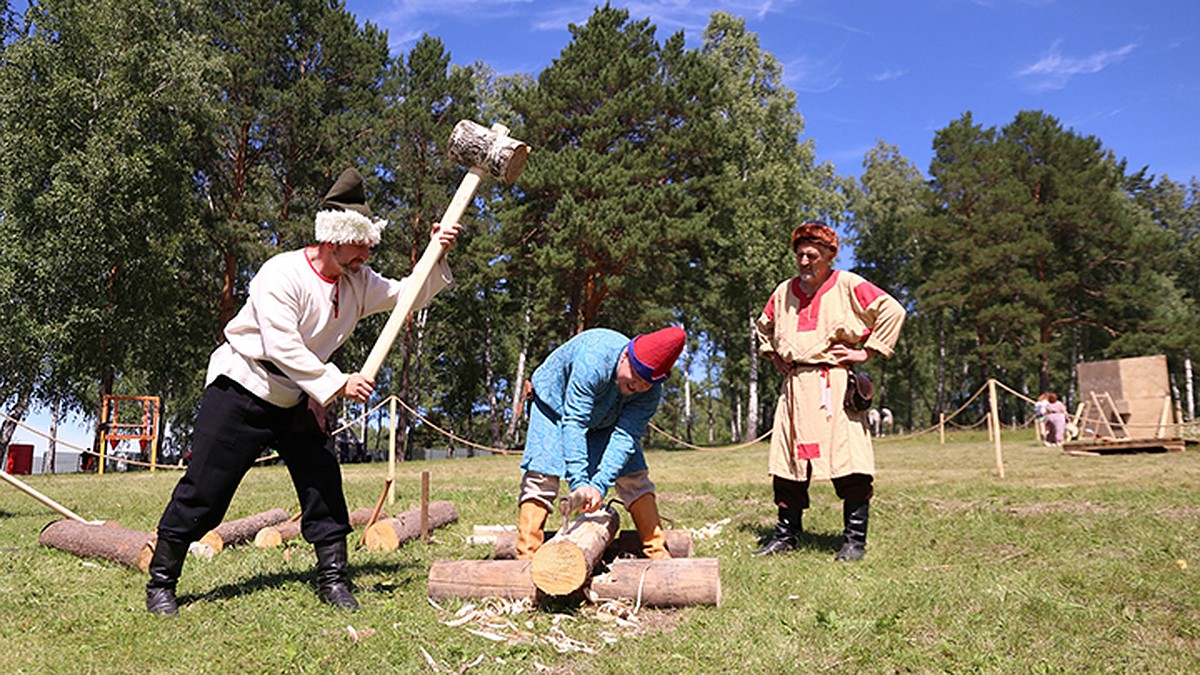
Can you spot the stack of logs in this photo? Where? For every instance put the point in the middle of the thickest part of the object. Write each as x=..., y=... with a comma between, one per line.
x=565, y=564
x=132, y=548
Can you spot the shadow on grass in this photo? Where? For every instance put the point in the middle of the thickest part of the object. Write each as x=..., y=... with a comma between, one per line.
x=809, y=541
x=263, y=582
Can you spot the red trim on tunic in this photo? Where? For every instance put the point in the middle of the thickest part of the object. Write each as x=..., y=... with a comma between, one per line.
x=867, y=292
x=337, y=289
x=809, y=307
x=769, y=310
x=311, y=266
x=808, y=450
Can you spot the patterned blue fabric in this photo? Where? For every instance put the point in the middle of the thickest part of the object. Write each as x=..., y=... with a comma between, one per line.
x=580, y=427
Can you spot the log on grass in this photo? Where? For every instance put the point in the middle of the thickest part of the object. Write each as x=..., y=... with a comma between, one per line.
x=563, y=564
x=274, y=535
x=238, y=531
x=389, y=533
x=108, y=541
x=626, y=543
x=679, y=582
x=477, y=579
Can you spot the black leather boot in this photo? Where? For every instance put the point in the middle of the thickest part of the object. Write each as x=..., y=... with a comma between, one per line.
x=787, y=532
x=333, y=584
x=165, y=567
x=855, y=517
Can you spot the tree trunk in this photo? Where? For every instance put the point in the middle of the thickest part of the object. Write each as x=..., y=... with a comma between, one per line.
x=518, y=390
x=680, y=582
x=274, y=535
x=1189, y=389
x=389, y=534
x=752, y=393
x=52, y=444
x=238, y=531
x=562, y=565
x=108, y=541
x=477, y=579
x=9, y=427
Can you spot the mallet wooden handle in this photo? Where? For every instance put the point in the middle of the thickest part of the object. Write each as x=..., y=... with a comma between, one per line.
x=420, y=274
x=11, y=480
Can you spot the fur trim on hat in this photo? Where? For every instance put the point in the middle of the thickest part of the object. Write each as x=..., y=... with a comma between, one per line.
x=348, y=227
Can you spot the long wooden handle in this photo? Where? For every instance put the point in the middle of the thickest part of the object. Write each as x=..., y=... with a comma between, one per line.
x=420, y=274
x=12, y=480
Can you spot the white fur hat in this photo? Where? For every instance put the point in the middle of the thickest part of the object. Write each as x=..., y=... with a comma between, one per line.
x=344, y=217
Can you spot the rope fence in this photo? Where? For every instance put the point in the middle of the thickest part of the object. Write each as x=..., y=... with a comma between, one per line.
x=1188, y=430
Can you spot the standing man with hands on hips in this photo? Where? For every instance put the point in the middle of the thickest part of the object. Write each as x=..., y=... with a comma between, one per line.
x=269, y=383
x=814, y=328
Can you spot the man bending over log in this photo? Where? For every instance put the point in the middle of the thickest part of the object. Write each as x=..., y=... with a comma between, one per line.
x=590, y=405
x=269, y=383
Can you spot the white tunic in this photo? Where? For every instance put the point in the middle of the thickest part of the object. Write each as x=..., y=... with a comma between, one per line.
x=296, y=318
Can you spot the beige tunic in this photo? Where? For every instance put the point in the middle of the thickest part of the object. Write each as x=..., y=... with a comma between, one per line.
x=812, y=427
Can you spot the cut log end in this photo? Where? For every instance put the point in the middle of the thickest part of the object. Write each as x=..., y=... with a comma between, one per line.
x=559, y=568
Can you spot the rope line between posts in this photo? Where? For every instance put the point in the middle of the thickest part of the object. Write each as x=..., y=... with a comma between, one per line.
x=449, y=434
x=685, y=444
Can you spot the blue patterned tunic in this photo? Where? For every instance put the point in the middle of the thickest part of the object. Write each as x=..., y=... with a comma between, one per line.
x=580, y=427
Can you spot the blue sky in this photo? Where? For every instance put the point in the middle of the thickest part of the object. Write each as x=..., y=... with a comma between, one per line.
x=1125, y=72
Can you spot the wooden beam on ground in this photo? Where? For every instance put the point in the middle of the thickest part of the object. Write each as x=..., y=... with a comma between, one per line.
x=108, y=541
x=274, y=535
x=626, y=543
x=563, y=564
x=679, y=582
x=237, y=531
x=477, y=579
x=389, y=533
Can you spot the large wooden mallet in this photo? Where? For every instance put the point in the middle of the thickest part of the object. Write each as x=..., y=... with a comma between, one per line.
x=481, y=149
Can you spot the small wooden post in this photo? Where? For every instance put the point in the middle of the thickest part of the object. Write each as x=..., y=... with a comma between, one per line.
x=942, y=427
x=995, y=419
x=391, y=474
x=425, y=506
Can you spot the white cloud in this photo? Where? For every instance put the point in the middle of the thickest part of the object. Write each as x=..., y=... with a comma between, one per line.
x=889, y=74
x=1054, y=69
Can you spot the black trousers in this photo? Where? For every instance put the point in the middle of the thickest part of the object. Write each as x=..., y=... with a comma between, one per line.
x=854, y=488
x=232, y=429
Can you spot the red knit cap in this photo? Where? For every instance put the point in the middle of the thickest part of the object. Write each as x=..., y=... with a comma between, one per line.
x=653, y=354
x=815, y=233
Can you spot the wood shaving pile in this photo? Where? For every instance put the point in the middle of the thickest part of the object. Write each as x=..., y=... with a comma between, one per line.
x=498, y=620
x=710, y=530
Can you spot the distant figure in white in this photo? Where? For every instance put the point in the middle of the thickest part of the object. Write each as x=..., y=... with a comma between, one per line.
x=880, y=421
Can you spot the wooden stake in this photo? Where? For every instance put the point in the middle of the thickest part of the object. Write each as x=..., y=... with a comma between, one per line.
x=425, y=506
x=996, y=423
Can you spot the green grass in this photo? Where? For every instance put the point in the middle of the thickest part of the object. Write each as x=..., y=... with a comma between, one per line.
x=1080, y=564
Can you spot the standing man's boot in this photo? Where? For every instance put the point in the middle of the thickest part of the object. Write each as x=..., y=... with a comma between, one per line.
x=855, y=517
x=333, y=583
x=644, y=511
x=165, y=567
x=786, y=534
x=531, y=523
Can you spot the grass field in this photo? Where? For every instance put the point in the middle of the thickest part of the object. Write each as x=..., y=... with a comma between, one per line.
x=1068, y=564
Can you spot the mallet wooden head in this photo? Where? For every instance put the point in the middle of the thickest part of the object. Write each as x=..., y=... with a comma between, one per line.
x=491, y=150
